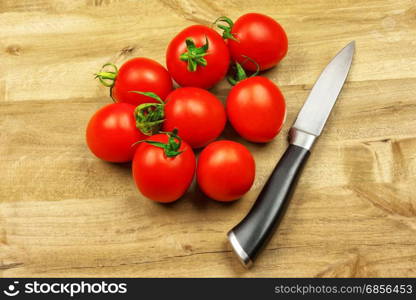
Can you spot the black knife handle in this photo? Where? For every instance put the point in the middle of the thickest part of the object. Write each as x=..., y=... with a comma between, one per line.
x=252, y=233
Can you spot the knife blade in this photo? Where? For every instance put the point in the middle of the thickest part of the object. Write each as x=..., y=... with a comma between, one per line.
x=249, y=236
x=314, y=113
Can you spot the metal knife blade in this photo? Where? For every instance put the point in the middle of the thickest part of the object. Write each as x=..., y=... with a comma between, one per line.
x=314, y=113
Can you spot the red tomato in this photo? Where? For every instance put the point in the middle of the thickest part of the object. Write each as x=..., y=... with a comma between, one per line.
x=159, y=176
x=256, y=109
x=112, y=131
x=191, y=64
x=138, y=74
x=225, y=170
x=198, y=115
x=260, y=38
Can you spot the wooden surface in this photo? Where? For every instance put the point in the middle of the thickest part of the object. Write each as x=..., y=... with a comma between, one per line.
x=65, y=213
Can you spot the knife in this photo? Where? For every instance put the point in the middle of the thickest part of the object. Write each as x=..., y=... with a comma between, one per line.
x=253, y=232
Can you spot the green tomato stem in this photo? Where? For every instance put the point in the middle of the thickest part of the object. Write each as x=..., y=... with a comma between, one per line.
x=194, y=56
x=107, y=78
x=240, y=73
x=226, y=28
x=171, y=148
x=149, y=116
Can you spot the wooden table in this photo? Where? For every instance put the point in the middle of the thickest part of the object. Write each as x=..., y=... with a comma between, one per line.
x=65, y=213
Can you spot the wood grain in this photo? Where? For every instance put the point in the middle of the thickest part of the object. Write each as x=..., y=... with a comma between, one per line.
x=65, y=213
